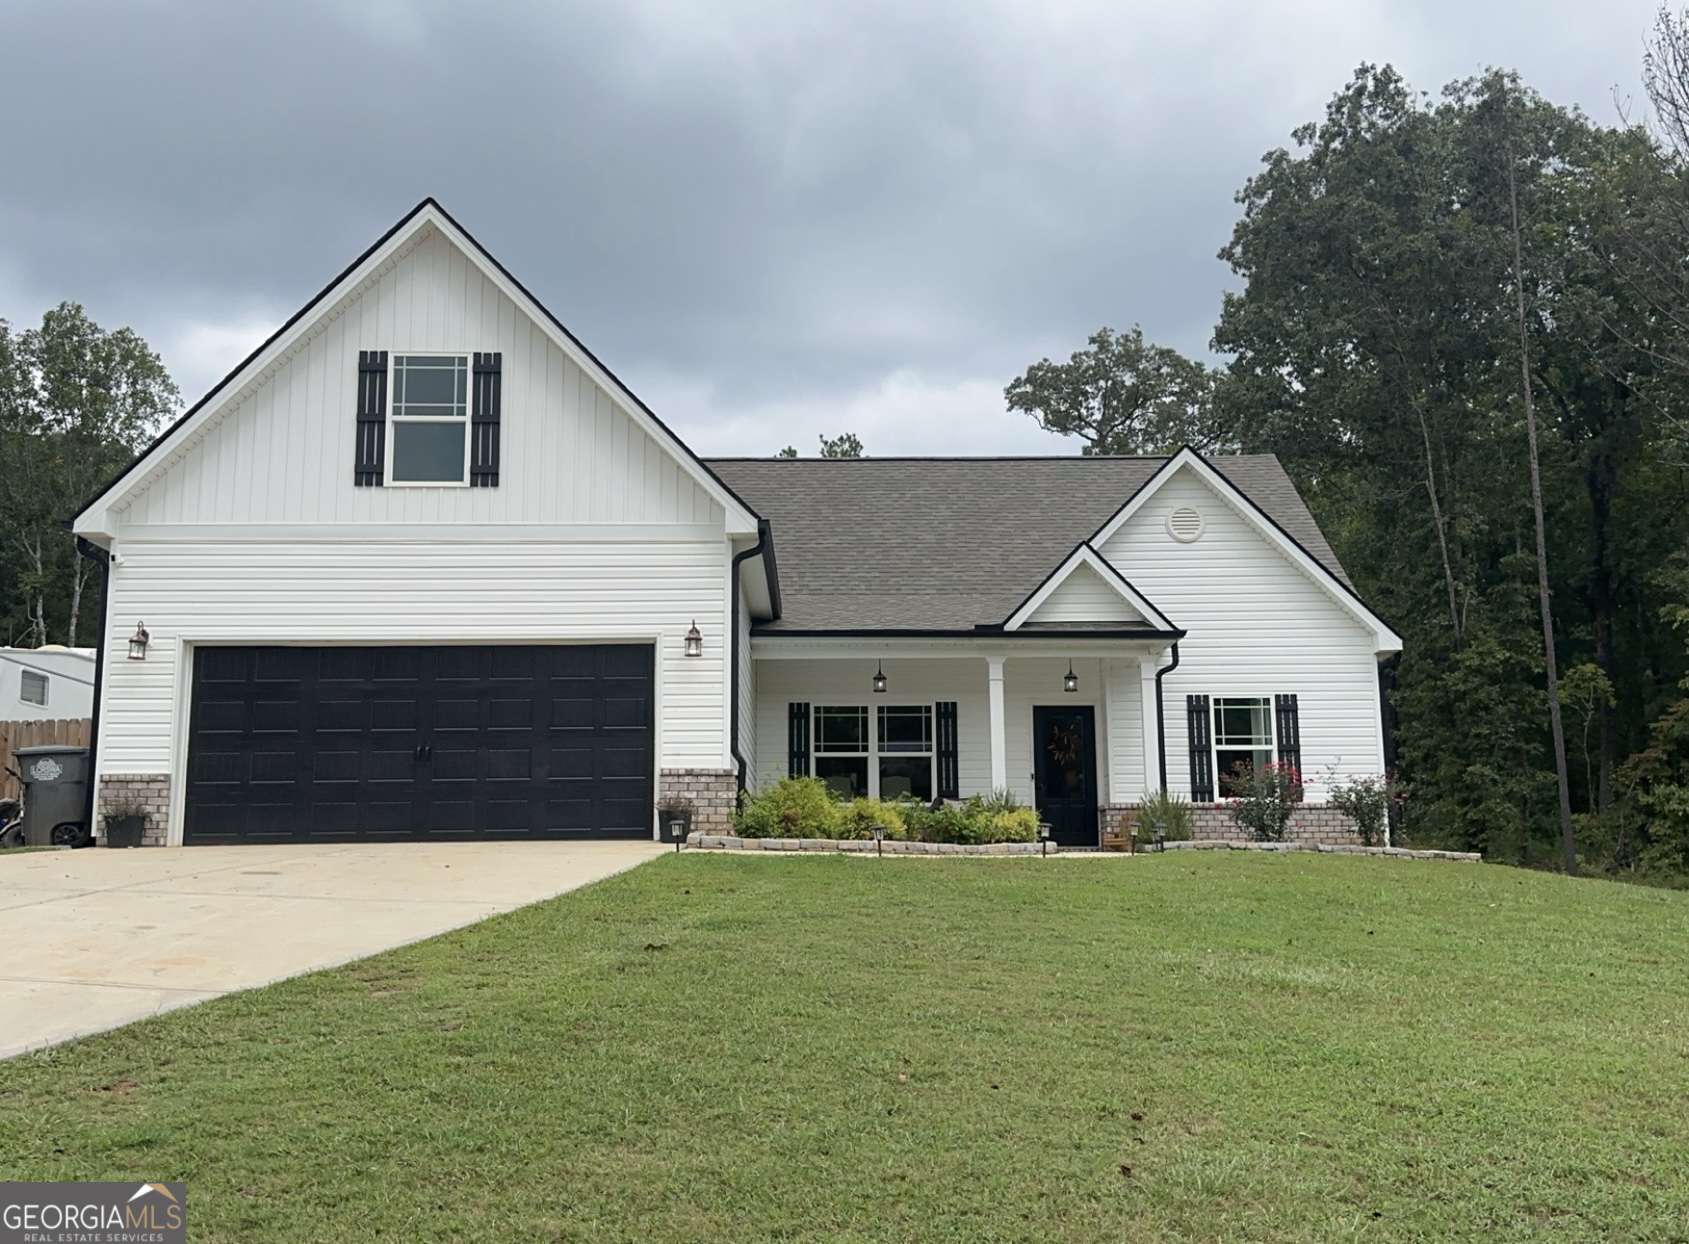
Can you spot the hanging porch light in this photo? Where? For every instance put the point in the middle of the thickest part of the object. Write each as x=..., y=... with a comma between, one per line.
x=880, y=679
x=1070, y=680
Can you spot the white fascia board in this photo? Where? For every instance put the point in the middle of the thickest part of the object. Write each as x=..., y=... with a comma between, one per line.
x=95, y=519
x=1385, y=639
x=992, y=644
x=1085, y=555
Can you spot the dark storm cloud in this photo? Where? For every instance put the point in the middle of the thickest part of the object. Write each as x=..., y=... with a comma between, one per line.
x=769, y=219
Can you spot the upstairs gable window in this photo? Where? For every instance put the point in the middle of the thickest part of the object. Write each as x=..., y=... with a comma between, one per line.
x=429, y=428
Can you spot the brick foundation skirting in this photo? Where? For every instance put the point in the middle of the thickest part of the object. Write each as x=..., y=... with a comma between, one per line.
x=714, y=794
x=150, y=790
x=1316, y=824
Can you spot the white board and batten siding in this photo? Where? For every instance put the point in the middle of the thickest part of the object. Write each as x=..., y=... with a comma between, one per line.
x=254, y=532
x=1257, y=626
x=284, y=454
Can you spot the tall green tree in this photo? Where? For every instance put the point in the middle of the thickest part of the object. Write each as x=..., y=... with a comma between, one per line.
x=1123, y=395
x=76, y=403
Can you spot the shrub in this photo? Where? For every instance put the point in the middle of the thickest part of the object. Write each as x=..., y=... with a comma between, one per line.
x=1167, y=813
x=1000, y=800
x=979, y=819
x=1264, y=797
x=792, y=808
x=1009, y=825
x=858, y=819
x=941, y=824
x=1366, y=801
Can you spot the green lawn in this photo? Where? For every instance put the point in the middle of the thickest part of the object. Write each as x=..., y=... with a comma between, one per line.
x=1184, y=1047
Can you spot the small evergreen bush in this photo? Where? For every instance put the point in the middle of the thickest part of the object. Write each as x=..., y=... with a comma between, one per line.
x=860, y=817
x=791, y=808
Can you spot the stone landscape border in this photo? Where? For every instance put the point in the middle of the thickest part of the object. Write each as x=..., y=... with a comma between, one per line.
x=860, y=846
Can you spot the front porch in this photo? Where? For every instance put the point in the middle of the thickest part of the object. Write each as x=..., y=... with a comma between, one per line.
x=960, y=718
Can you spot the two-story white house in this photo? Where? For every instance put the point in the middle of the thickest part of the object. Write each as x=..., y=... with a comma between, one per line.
x=422, y=567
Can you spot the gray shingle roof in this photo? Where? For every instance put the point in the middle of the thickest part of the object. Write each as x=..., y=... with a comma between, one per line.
x=953, y=543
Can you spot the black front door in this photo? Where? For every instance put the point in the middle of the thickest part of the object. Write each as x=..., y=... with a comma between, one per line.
x=1064, y=757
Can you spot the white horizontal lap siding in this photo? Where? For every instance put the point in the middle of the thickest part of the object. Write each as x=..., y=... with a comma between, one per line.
x=284, y=453
x=1258, y=626
x=413, y=592
x=1084, y=597
x=1123, y=698
x=1027, y=681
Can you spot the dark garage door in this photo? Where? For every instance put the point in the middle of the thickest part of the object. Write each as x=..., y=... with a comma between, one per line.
x=320, y=744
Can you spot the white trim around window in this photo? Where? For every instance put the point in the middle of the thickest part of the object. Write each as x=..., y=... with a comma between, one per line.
x=33, y=678
x=453, y=412
x=861, y=750
x=1240, y=725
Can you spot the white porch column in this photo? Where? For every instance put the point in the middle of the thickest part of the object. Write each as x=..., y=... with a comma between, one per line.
x=1148, y=663
x=999, y=724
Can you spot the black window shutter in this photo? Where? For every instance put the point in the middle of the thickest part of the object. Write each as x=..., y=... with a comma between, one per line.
x=484, y=424
x=797, y=739
x=1202, y=757
x=369, y=456
x=949, y=780
x=1289, y=731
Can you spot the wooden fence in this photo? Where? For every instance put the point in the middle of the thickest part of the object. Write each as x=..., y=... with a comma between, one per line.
x=16, y=734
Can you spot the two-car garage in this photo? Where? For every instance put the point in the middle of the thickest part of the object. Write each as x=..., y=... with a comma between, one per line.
x=412, y=742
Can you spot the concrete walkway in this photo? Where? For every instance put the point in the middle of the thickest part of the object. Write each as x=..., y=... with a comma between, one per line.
x=94, y=939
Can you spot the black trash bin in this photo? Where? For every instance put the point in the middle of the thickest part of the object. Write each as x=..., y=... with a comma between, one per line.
x=55, y=795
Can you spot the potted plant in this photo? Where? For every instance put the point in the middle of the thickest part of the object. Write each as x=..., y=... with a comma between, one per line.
x=125, y=823
x=674, y=814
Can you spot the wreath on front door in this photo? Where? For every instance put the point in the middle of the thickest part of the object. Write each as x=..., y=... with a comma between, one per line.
x=1063, y=744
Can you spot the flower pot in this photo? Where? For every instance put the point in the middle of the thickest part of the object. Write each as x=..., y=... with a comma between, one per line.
x=124, y=831
x=676, y=826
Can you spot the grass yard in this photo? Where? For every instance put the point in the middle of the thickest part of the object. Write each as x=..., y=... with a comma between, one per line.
x=1184, y=1047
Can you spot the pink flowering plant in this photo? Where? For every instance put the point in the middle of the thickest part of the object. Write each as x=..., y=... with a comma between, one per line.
x=1263, y=798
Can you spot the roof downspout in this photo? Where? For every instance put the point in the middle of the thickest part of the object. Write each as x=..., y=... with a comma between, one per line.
x=102, y=559
x=756, y=550
x=1160, y=716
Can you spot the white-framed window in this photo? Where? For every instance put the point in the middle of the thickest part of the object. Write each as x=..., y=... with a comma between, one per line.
x=888, y=754
x=905, y=752
x=1243, y=737
x=32, y=687
x=428, y=426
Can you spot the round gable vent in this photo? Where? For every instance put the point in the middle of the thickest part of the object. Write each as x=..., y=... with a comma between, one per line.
x=1184, y=524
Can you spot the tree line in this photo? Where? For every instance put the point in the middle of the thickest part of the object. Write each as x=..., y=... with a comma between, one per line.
x=1441, y=300
x=77, y=402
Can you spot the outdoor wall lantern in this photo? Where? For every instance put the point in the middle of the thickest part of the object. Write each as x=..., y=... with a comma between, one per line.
x=694, y=640
x=1070, y=681
x=880, y=679
x=138, y=642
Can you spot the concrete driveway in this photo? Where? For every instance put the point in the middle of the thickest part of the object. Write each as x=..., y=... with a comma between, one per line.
x=94, y=939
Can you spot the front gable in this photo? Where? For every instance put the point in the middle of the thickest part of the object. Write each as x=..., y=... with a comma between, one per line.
x=1191, y=535
x=276, y=442
x=1086, y=592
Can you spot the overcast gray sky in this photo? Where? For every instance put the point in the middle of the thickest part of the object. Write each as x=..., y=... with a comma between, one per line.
x=771, y=220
